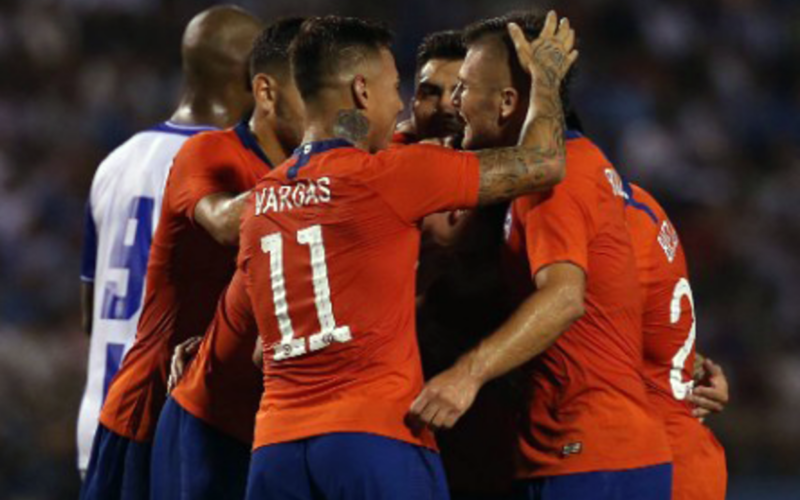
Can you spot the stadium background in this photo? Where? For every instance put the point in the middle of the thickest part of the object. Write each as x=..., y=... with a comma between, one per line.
x=698, y=100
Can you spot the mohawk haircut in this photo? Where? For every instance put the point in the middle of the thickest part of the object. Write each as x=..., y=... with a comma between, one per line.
x=270, y=53
x=328, y=45
x=447, y=45
x=531, y=22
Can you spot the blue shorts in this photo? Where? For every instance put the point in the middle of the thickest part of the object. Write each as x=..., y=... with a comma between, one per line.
x=119, y=468
x=346, y=466
x=646, y=483
x=194, y=461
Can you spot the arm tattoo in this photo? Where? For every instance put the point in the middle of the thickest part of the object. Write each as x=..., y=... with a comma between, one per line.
x=351, y=125
x=537, y=164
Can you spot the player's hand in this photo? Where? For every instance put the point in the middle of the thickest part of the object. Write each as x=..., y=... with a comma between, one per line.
x=184, y=353
x=711, y=393
x=444, y=399
x=549, y=57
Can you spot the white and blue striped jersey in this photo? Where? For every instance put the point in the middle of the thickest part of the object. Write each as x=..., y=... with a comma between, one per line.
x=121, y=216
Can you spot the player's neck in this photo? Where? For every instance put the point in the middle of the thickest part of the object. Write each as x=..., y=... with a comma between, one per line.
x=198, y=109
x=268, y=139
x=336, y=118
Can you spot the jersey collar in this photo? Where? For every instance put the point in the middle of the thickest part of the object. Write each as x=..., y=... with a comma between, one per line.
x=304, y=153
x=250, y=141
x=570, y=134
x=187, y=130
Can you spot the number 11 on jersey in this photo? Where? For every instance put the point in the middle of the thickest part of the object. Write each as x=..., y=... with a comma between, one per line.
x=289, y=346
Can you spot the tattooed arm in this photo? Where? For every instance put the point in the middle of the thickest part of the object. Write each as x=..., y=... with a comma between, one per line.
x=538, y=162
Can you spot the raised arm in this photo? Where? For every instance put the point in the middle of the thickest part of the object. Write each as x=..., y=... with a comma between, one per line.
x=219, y=214
x=537, y=163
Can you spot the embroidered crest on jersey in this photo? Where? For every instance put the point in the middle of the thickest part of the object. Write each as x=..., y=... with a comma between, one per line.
x=668, y=239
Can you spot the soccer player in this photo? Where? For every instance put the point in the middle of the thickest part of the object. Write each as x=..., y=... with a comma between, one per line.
x=433, y=115
x=204, y=436
x=590, y=431
x=699, y=471
x=329, y=245
x=188, y=264
x=125, y=201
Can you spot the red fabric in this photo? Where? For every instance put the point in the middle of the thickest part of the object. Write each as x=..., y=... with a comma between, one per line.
x=366, y=208
x=222, y=386
x=588, y=409
x=699, y=470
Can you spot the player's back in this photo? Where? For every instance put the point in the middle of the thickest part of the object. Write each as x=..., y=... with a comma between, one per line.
x=186, y=273
x=589, y=409
x=668, y=321
x=668, y=327
x=331, y=243
x=122, y=214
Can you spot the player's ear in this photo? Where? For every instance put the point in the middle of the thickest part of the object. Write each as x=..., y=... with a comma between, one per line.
x=509, y=102
x=360, y=93
x=264, y=91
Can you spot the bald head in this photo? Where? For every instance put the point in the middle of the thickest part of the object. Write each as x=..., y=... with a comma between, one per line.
x=216, y=46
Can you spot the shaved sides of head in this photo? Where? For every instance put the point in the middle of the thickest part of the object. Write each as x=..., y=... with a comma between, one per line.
x=494, y=32
x=328, y=48
x=216, y=45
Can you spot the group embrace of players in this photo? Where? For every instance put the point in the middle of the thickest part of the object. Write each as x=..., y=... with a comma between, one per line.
x=326, y=289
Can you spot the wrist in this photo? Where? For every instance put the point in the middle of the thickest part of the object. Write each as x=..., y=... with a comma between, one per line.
x=475, y=367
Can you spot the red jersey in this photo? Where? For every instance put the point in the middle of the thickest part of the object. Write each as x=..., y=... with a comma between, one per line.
x=330, y=243
x=588, y=407
x=699, y=470
x=186, y=273
x=222, y=386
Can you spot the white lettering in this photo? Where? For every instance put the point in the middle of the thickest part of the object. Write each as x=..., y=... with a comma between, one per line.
x=302, y=194
x=324, y=189
x=285, y=192
x=272, y=201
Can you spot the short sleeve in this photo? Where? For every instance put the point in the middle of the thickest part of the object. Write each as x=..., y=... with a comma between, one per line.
x=558, y=228
x=421, y=179
x=206, y=164
x=89, y=250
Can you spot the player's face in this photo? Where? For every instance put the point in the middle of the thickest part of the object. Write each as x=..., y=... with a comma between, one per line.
x=434, y=114
x=478, y=98
x=385, y=104
x=289, y=115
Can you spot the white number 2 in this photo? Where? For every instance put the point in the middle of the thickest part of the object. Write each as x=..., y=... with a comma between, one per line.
x=290, y=347
x=681, y=389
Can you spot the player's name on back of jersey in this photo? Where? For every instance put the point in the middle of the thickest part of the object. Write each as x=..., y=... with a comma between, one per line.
x=302, y=194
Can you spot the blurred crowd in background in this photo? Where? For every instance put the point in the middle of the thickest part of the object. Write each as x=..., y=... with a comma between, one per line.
x=697, y=100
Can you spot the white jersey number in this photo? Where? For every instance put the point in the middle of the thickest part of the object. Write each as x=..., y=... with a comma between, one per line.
x=681, y=389
x=289, y=346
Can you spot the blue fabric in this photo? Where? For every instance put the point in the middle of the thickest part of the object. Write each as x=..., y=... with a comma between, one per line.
x=187, y=130
x=89, y=251
x=250, y=141
x=346, y=466
x=306, y=151
x=119, y=468
x=646, y=483
x=631, y=201
x=194, y=461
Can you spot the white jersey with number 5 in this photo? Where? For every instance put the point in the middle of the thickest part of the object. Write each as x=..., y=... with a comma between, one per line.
x=121, y=216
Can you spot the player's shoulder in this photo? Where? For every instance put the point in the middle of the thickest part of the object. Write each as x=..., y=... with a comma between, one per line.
x=210, y=140
x=585, y=159
x=650, y=210
x=158, y=144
